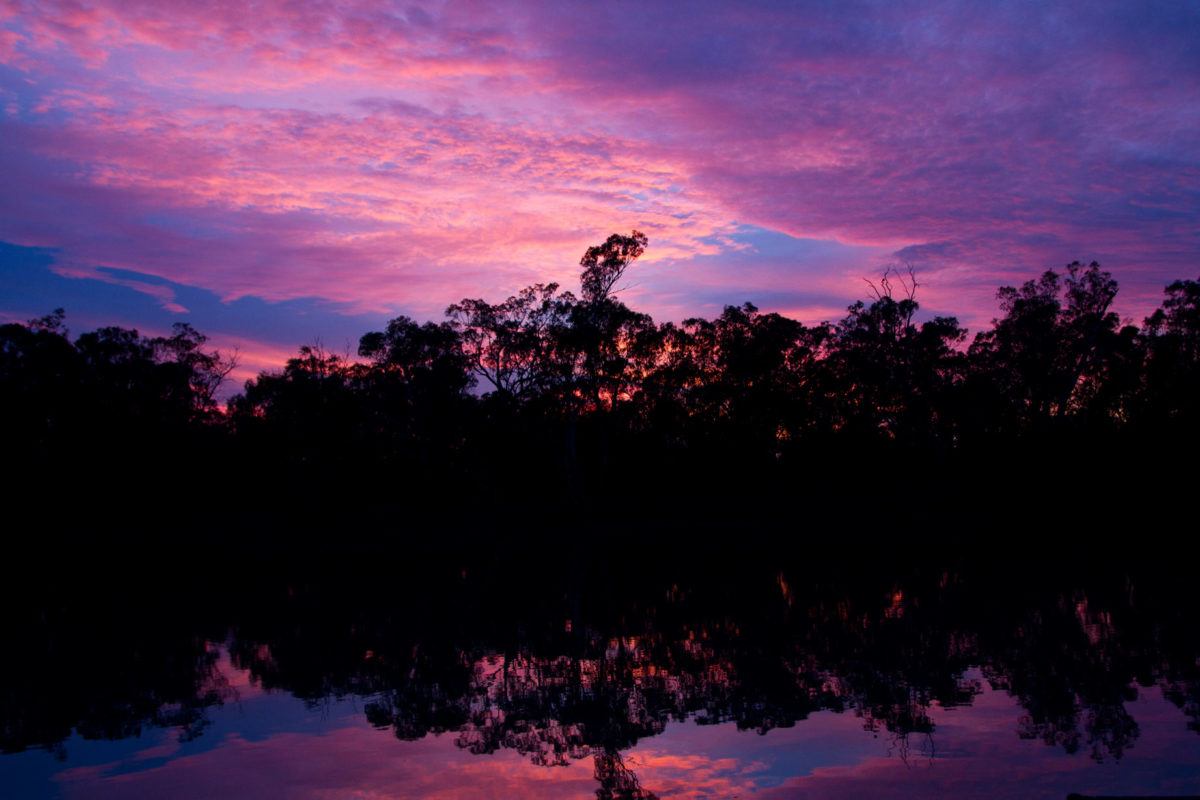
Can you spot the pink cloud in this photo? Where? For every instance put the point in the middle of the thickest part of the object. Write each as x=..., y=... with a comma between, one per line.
x=973, y=752
x=399, y=203
x=403, y=159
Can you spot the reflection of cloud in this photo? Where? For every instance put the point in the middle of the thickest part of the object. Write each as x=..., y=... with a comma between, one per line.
x=238, y=680
x=976, y=754
x=357, y=762
x=693, y=775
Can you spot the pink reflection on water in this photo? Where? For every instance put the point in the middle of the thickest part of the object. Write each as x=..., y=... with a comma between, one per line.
x=974, y=752
x=349, y=762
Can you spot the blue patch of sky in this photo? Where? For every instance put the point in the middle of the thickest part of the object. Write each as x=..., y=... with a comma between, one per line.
x=29, y=287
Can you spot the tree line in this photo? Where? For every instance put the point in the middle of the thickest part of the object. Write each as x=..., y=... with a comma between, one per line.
x=587, y=399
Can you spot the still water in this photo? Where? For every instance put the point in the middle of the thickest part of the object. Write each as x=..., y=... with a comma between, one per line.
x=616, y=674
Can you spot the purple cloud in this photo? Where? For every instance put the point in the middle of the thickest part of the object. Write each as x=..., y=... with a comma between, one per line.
x=384, y=159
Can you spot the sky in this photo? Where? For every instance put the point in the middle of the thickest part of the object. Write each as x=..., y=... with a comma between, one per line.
x=279, y=173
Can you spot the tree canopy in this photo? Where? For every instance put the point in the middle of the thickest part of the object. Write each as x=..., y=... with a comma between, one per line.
x=589, y=400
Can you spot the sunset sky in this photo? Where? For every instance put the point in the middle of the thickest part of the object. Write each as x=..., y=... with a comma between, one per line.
x=280, y=172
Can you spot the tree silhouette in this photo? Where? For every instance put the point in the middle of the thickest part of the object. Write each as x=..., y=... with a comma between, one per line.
x=605, y=264
x=511, y=344
x=591, y=400
x=1170, y=390
x=1048, y=356
x=888, y=376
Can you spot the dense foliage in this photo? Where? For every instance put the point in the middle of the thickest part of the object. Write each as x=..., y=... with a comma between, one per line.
x=549, y=397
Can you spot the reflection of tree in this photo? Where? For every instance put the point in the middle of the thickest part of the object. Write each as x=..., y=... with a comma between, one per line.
x=617, y=782
x=766, y=662
x=1073, y=677
x=885, y=647
x=1185, y=693
x=103, y=671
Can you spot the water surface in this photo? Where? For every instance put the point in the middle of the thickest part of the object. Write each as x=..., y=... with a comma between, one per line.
x=577, y=674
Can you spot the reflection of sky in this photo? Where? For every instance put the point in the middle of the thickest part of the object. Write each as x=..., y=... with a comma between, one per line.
x=319, y=167
x=273, y=745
